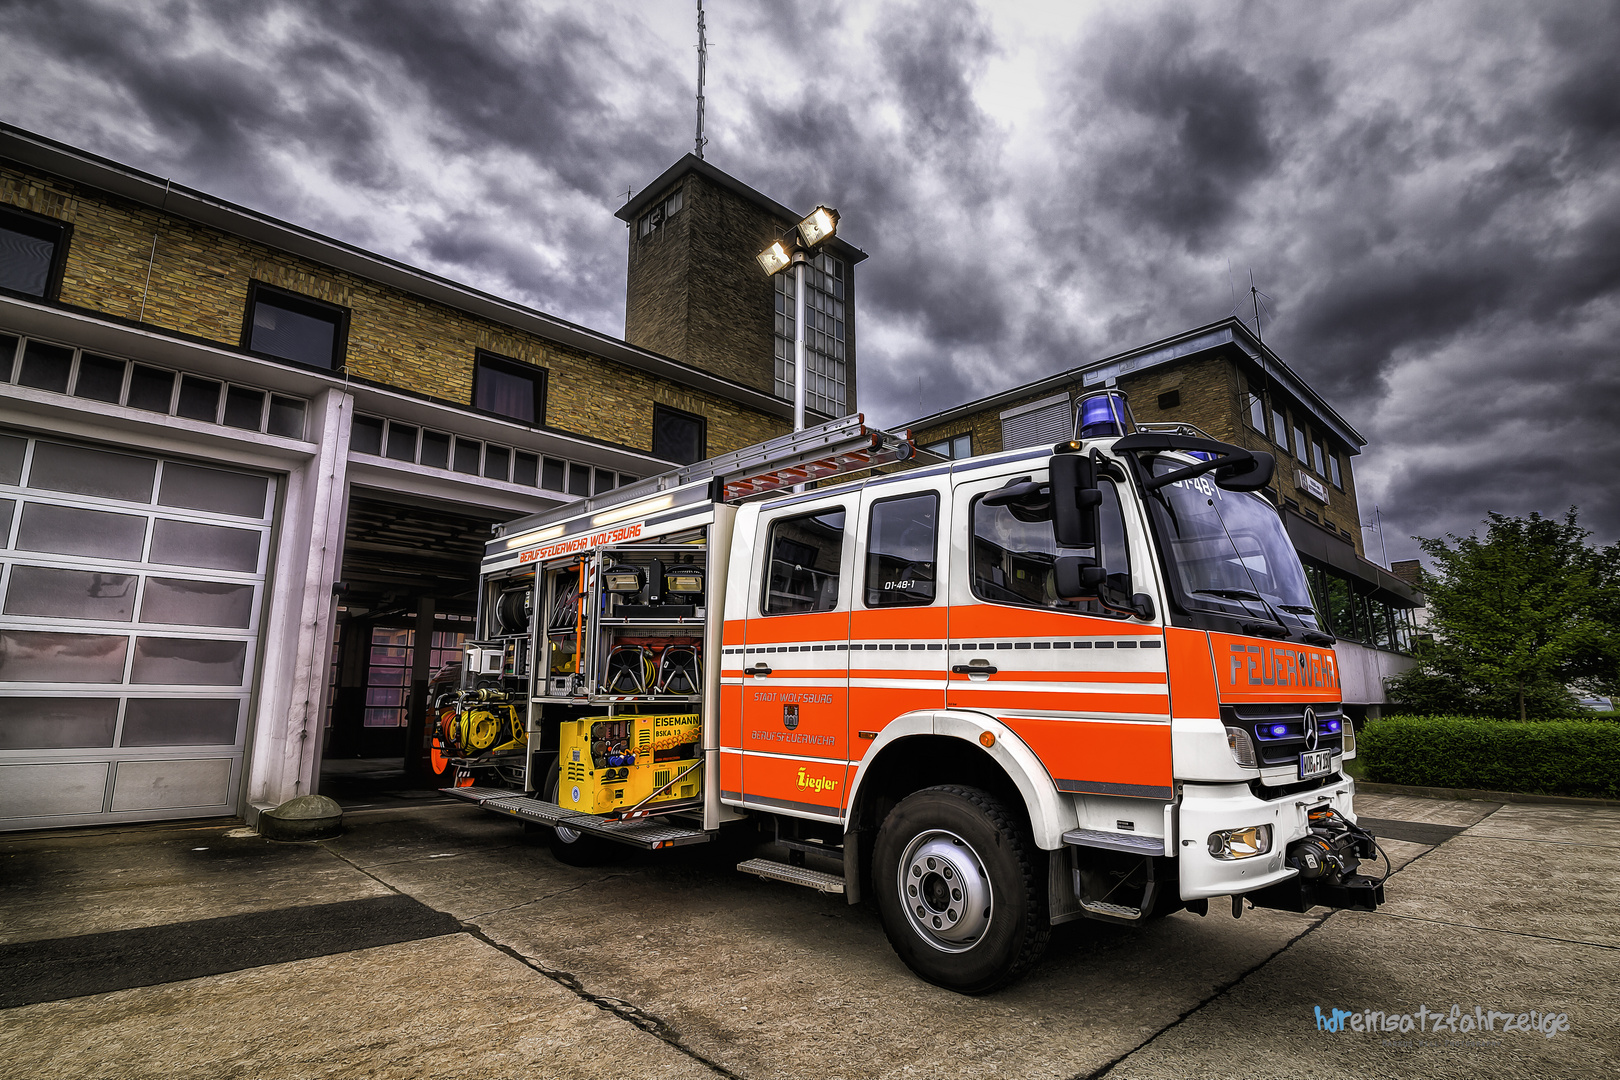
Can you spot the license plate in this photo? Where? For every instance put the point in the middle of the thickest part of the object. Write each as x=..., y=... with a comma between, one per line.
x=1315, y=763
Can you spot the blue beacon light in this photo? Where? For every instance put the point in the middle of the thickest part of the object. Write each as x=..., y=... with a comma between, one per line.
x=1102, y=415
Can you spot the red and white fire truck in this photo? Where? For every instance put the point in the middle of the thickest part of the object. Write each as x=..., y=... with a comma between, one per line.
x=991, y=694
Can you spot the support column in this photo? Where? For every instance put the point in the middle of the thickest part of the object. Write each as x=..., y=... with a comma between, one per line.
x=291, y=705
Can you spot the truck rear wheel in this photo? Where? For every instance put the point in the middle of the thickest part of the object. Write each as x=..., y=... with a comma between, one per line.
x=961, y=900
x=570, y=845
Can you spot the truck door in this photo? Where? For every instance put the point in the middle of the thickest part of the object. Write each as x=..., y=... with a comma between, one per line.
x=1085, y=688
x=795, y=691
x=897, y=656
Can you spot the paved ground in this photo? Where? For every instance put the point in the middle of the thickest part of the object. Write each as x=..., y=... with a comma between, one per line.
x=434, y=940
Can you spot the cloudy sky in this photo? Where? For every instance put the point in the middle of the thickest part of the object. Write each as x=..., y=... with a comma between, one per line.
x=1428, y=192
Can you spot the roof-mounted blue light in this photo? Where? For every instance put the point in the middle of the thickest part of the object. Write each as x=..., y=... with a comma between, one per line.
x=1104, y=416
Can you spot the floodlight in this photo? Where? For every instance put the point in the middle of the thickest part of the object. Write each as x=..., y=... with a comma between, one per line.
x=775, y=258
x=821, y=224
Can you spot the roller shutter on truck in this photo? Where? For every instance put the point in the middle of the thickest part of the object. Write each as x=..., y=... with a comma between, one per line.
x=130, y=600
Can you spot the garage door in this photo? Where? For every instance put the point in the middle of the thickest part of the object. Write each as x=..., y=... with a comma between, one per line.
x=129, y=608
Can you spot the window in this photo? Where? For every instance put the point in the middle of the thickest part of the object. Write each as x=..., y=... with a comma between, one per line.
x=33, y=249
x=1257, y=413
x=1338, y=479
x=1279, y=427
x=826, y=326
x=509, y=388
x=1301, y=447
x=957, y=446
x=1170, y=399
x=806, y=553
x=900, y=551
x=1039, y=423
x=1013, y=560
x=286, y=326
x=677, y=436
x=654, y=219
x=1316, y=457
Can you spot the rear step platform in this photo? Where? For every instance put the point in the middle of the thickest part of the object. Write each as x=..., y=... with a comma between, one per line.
x=794, y=875
x=647, y=833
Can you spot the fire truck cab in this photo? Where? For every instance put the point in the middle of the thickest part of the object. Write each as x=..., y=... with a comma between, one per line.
x=991, y=695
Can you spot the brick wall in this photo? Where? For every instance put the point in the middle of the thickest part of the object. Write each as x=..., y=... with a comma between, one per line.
x=199, y=281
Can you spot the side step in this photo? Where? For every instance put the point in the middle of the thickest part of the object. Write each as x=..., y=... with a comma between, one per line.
x=647, y=833
x=794, y=875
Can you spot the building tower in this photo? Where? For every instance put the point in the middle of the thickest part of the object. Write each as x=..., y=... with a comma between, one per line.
x=695, y=291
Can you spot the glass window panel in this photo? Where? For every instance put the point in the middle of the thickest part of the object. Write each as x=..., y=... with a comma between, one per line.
x=8, y=356
x=6, y=506
x=286, y=417
x=25, y=262
x=525, y=469
x=188, y=661
x=1301, y=451
x=1338, y=479
x=900, y=551
x=196, y=603
x=101, y=378
x=386, y=695
x=11, y=460
x=151, y=389
x=677, y=436
x=401, y=441
x=497, y=460
x=199, y=399
x=244, y=408
x=806, y=553
x=389, y=676
x=579, y=479
x=196, y=488
x=466, y=460
x=45, y=367
x=604, y=481
x=385, y=718
x=1279, y=428
x=44, y=656
x=83, y=471
x=436, y=449
x=217, y=547
x=180, y=721
x=292, y=335
x=56, y=723
x=70, y=594
x=551, y=474
x=66, y=530
x=506, y=392
x=365, y=436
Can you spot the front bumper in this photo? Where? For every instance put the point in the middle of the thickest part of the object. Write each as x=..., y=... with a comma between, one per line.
x=1208, y=808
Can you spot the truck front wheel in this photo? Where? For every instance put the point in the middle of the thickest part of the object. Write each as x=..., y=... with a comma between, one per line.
x=961, y=900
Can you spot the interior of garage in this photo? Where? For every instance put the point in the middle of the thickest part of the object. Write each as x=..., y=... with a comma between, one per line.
x=406, y=601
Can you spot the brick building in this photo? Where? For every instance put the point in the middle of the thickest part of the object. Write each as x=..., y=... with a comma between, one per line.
x=1223, y=380
x=247, y=471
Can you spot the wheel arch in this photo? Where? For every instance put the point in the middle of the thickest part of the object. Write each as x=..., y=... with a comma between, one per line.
x=923, y=749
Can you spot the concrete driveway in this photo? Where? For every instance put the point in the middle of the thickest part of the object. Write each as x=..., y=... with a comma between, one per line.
x=436, y=940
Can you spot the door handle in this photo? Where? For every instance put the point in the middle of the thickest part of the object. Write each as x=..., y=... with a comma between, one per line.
x=758, y=669
x=973, y=669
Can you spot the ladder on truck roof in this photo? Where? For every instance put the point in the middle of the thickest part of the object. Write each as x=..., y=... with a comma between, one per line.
x=839, y=446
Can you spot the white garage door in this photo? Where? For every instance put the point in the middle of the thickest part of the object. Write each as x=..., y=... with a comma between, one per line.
x=129, y=611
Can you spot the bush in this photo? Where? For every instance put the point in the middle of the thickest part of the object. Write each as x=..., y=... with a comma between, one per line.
x=1540, y=757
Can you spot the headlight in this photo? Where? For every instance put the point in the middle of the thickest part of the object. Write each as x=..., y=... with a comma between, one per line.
x=1242, y=747
x=1240, y=843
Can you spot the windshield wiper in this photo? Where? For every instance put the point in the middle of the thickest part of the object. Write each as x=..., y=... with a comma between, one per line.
x=1230, y=594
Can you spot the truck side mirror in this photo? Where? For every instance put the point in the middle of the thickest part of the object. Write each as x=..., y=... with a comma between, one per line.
x=1075, y=499
x=1078, y=578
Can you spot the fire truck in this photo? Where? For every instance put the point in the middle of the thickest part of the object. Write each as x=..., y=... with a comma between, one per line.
x=990, y=695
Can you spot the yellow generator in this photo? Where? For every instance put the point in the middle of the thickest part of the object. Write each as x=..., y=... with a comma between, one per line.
x=609, y=764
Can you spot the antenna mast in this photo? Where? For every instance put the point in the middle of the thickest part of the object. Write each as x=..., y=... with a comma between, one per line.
x=703, y=64
x=1255, y=295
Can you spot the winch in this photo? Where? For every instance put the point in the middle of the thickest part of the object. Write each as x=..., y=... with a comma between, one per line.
x=1328, y=859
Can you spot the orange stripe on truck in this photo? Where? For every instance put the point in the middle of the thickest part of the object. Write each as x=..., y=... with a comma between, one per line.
x=1100, y=756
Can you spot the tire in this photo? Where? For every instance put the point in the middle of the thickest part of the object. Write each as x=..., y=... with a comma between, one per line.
x=940, y=854
x=571, y=846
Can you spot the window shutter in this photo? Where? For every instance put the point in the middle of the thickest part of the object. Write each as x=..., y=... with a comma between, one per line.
x=1043, y=423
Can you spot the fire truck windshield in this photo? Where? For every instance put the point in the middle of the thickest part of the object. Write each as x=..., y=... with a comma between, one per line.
x=1229, y=553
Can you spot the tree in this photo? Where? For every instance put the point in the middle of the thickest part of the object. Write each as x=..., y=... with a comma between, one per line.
x=1518, y=617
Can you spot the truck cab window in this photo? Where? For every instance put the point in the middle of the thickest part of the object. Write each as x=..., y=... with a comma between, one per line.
x=805, y=555
x=900, y=551
x=1013, y=559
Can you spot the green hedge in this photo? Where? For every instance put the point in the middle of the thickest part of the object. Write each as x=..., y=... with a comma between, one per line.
x=1541, y=757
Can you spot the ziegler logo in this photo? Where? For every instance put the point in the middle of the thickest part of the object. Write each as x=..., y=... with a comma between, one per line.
x=817, y=783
